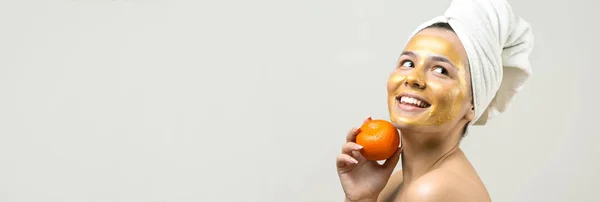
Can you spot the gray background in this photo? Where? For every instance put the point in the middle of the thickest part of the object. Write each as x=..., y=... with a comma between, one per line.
x=156, y=100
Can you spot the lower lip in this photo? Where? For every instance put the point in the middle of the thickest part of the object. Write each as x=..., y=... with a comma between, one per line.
x=409, y=108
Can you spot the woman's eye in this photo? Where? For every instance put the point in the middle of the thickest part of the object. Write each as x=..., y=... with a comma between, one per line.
x=407, y=63
x=440, y=70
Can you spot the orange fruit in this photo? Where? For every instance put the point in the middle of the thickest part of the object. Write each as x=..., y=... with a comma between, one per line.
x=379, y=138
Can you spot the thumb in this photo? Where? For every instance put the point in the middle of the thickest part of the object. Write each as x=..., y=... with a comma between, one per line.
x=391, y=162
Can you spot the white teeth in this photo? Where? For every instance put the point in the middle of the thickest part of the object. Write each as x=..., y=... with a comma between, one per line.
x=410, y=100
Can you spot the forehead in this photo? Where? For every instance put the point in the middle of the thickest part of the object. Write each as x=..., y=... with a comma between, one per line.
x=439, y=41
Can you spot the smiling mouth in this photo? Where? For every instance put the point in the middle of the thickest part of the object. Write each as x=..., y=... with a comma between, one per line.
x=412, y=101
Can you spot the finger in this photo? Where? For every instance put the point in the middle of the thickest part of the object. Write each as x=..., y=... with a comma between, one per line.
x=349, y=147
x=391, y=162
x=367, y=119
x=358, y=156
x=351, y=136
x=344, y=159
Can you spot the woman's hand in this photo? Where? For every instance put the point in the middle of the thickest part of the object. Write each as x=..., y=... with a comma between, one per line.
x=362, y=180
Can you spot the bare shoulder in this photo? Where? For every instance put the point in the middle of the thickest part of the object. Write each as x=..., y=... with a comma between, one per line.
x=446, y=184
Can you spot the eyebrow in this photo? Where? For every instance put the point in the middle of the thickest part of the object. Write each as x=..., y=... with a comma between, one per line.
x=436, y=58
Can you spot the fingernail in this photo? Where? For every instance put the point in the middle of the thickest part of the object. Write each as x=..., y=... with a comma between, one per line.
x=358, y=146
x=354, y=161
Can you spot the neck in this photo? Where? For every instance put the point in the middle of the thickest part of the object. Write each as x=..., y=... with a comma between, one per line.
x=423, y=152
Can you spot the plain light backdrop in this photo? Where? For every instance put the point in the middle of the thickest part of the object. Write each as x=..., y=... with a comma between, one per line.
x=181, y=101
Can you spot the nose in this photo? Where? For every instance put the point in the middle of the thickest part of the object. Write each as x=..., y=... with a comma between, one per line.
x=415, y=80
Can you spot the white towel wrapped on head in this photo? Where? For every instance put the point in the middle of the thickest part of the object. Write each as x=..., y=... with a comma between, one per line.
x=498, y=44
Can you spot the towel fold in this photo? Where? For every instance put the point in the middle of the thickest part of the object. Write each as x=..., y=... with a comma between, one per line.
x=498, y=44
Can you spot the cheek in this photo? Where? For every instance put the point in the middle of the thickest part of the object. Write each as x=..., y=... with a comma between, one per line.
x=451, y=94
x=394, y=81
x=455, y=97
x=449, y=102
x=455, y=100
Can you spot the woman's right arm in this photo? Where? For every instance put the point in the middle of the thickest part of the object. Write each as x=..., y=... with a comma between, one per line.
x=361, y=179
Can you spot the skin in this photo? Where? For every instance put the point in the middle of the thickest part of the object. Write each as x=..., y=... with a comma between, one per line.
x=433, y=66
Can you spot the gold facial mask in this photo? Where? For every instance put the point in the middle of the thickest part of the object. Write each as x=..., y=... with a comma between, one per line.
x=445, y=93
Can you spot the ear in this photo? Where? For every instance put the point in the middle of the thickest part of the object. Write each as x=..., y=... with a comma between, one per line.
x=470, y=114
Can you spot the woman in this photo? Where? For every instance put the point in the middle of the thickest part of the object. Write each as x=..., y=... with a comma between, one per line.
x=456, y=70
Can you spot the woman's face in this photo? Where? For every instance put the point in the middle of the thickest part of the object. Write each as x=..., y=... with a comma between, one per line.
x=430, y=88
